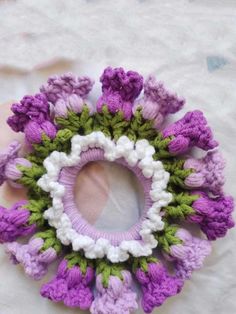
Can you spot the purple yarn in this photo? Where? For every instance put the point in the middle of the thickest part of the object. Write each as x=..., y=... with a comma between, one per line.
x=157, y=102
x=189, y=255
x=117, y=298
x=157, y=285
x=70, y=286
x=208, y=172
x=213, y=215
x=29, y=255
x=191, y=130
x=33, y=131
x=32, y=116
x=120, y=89
x=67, y=92
x=63, y=86
x=7, y=156
x=31, y=108
x=14, y=222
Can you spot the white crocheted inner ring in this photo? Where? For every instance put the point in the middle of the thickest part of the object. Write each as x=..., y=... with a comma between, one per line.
x=136, y=154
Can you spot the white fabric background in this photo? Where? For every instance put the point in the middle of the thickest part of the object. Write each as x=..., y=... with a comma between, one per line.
x=191, y=45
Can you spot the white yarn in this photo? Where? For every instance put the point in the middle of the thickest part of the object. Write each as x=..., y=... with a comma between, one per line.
x=140, y=154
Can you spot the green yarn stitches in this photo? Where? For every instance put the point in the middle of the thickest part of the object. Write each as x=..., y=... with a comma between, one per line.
x=77, y=259
x=30, y=177
x=77, y=123
x=180, y=206
x=36, y=208
x=107, y=269
x=60, y=143
x=50, y=240
x=112, y=125
x=142, y=263
x=167, y=237
x=177, y=173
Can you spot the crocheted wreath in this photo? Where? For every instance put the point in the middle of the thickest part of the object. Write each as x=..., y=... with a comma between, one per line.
x=64, y=132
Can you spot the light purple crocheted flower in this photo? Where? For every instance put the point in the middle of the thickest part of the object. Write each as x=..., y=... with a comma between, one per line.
x=213, y=215
x=14, y=222
x=30, y=256
x=6, y=156
x=208, y=172
x=117, y=298
x=120, y=89
x=68, y=92
x=189, y=255
x=157, y=102
x=157, y=285
x=191, y=130
x=70, y=286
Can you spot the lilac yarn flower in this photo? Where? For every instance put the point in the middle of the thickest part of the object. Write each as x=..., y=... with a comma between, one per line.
x=120, y=89
x=68, y=92
x=213, y=215
x=157, y=285
x=157, y=102
x=117, y=298
x=32, y=116
x=14, y=223
x=189, y=255
x=30, y=256
x=6, y=156
x=208, y=172
x=191, y=130
x=9, y=163
x=70, y=286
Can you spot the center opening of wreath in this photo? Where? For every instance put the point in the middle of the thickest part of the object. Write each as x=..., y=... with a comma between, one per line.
x=109, y=196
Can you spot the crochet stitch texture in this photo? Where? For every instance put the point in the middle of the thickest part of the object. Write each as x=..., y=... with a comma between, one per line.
x=63, y=132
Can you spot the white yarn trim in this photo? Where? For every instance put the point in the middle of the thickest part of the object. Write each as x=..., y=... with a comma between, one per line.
x=140, y=154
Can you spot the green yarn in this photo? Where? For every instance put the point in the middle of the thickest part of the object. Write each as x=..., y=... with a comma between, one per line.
x=60, y=143
x=30, y=177
x=112, y=125
x=142, y=263
x=167, y=237
x=50, y=240
x=81, y=123
x=36, y=208
x=107, y=269
x=180, y=207
x=77, y=259
x=161, y=147
x=177, y=173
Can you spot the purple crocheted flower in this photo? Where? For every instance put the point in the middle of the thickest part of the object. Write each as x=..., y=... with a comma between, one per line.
x=70, y=286
x=117, y=298
x=68, y=92
x=32, y=116
x=30, y=256
x=208, y=172
x=213, y=215
x=189, y=255
x=191, y=130
x=34, y=131
x=120, y=89
x=157, y=285
x=31, y=108
x=157, y=102
x=14, y=223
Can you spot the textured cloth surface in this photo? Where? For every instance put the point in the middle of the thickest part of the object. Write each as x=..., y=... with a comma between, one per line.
x=190, y=45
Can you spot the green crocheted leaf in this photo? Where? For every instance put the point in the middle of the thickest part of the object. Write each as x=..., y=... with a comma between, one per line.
x=167, y=237
x=50, y=240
